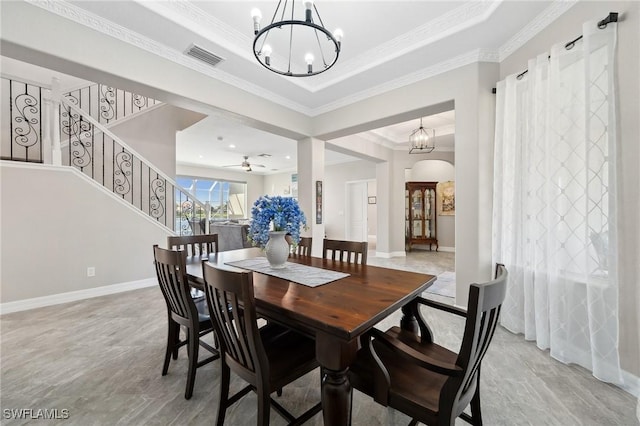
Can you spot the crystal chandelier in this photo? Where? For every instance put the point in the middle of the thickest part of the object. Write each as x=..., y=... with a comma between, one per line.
x=422, y=140
x=290, y=46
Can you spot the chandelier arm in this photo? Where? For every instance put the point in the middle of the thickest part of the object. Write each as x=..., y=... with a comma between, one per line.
x=318, y=15
x=284, y=9
x=293, y=6
x=324, y=62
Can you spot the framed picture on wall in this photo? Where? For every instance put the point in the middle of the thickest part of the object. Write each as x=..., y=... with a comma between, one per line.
x=446, y=198
x=318, y=202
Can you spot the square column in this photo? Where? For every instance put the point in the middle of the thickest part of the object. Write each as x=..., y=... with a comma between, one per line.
x=310, y=171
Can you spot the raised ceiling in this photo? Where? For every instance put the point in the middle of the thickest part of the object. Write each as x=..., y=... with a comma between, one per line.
x=386, y=45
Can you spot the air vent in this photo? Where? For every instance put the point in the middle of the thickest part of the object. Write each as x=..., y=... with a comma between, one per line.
x=203, y=55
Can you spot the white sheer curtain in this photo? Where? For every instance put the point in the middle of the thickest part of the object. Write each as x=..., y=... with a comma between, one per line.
x=555, y=202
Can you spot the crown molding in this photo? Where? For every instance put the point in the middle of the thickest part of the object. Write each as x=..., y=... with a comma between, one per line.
x=454, y=21
x=104, y=26
x=536, y=25
x=190, y=16
x=478, y=55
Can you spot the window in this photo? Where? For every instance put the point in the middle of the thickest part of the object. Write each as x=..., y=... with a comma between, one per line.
x=228, y=200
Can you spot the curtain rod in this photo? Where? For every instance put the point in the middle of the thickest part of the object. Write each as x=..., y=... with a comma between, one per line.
x=613, y=17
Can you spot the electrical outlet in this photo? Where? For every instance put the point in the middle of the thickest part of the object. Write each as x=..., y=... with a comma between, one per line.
x=91, y=271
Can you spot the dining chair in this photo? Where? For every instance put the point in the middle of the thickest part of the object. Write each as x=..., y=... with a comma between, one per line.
x=184, y=311
x=345, y=251
x=422, y=379
x=194, y=245
x=268, y=358
x=304, y=246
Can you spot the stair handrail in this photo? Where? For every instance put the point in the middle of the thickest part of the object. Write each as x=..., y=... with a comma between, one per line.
x=132, y=151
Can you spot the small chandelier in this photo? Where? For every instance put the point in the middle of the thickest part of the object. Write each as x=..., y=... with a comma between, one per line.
x=422, y=140
x=292, y=53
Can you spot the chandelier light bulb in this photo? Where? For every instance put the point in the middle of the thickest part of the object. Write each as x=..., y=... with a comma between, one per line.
x=338, y=34
x=308, y=58
x=266, y=51
x=257, y=17
x=308, y=6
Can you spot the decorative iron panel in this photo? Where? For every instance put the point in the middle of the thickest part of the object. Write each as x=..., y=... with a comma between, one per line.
x=108, y=161
x=107, y=104
x=21, y=121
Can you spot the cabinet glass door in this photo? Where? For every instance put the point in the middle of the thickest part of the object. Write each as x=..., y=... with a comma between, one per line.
x=430, y=211
x=406, y=213
x=417, y=213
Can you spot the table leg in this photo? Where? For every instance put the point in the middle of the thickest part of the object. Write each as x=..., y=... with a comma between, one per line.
x=337, y=396
x=335, y=356
x=408, y=321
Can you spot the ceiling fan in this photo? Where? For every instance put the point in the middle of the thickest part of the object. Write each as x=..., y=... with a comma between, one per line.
x=245, y=164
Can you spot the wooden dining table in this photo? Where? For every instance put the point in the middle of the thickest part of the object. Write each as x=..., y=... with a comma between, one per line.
x=335, y=314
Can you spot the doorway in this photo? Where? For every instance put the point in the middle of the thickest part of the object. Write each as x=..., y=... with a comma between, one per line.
x=356, y=228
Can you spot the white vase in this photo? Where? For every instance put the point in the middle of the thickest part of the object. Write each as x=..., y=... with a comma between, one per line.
x=277, y=249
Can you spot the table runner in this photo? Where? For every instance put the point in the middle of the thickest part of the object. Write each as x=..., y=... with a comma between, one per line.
x=301, y=274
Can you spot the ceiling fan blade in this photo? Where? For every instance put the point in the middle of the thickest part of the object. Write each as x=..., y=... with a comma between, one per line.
x=257, y=165
x=233, y=165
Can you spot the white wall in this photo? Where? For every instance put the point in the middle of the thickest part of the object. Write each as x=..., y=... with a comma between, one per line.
x=278, y=184
x=372, y=209
x=437, y=171
x=64, y=226
x=153, y=134
x=335, y=178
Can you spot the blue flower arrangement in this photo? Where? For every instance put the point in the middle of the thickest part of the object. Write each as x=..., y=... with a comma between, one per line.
x=282, y=212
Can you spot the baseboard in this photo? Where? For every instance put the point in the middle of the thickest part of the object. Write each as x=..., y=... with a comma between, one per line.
x=423, y=247
x=631, y=384
x=386, y=255
x=72, y=296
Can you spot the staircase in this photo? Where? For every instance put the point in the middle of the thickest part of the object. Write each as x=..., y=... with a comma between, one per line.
x=73, y=130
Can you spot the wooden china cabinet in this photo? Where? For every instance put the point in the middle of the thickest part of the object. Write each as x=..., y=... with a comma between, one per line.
x=420, y=214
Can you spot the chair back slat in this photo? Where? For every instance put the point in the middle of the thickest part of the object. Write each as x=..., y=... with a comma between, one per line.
x=171, y=273
x=345, y=251
x=231, y=299
x=485, y=301
x=304, y=246
x=194, y=245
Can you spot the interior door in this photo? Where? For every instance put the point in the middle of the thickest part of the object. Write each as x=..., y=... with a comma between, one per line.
x=356, y=211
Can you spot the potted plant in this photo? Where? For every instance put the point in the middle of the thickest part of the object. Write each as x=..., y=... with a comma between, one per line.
x=273, y=218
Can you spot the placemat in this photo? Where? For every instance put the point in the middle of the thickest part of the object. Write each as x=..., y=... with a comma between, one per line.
x=301, y=274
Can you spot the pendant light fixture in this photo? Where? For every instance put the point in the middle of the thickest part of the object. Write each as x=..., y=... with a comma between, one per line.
x=422, y=140
x=295, y=47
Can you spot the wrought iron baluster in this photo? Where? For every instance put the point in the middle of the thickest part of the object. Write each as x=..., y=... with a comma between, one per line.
x=157, y=197
x=25, y=122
